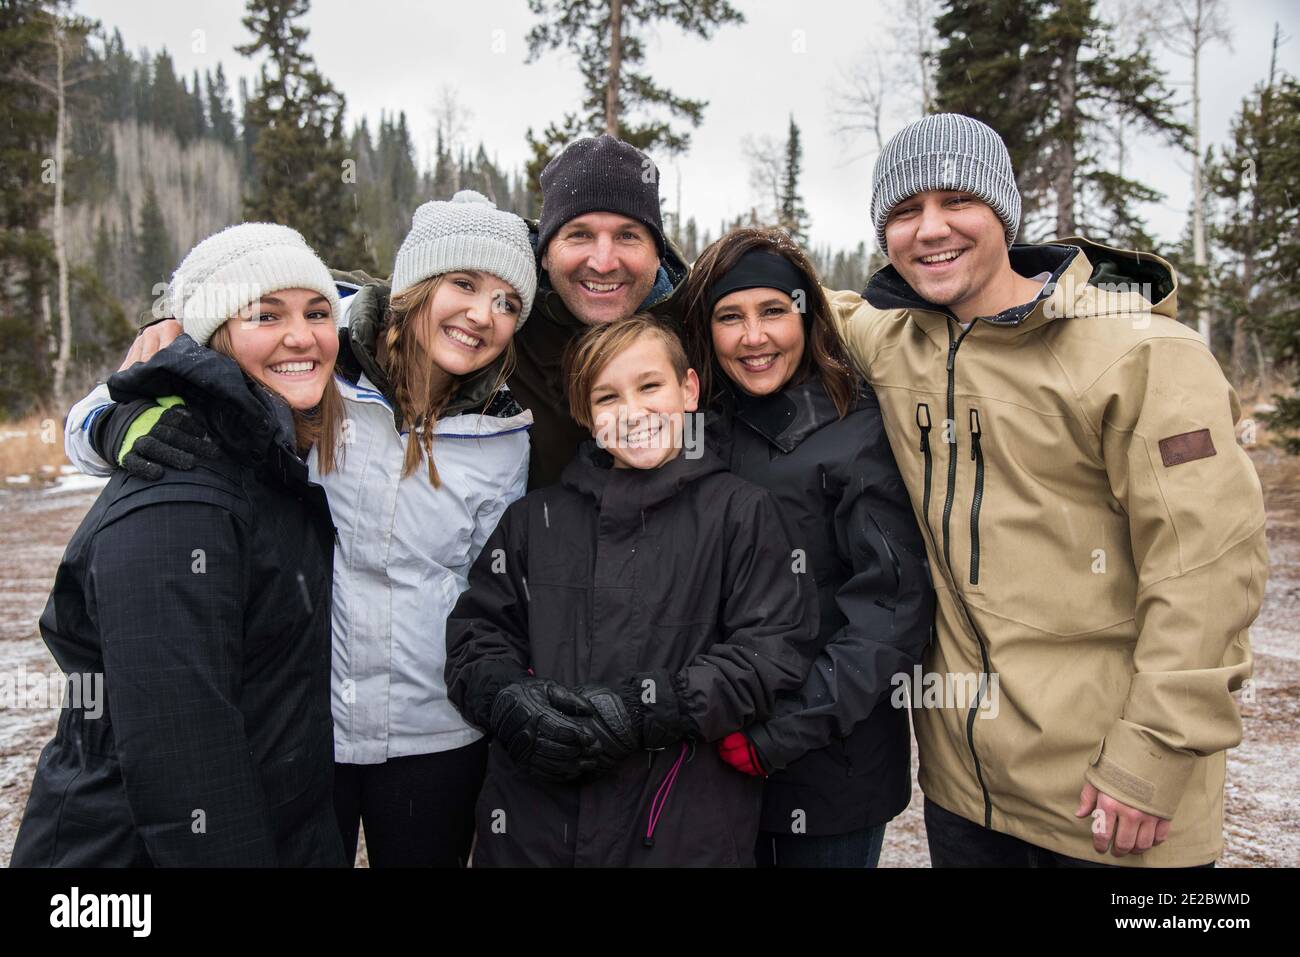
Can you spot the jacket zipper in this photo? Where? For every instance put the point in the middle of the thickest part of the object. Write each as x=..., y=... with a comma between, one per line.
x=977, y=498
x=970, y=730
x=923, y=422
x=953, y=345
x=951, y=424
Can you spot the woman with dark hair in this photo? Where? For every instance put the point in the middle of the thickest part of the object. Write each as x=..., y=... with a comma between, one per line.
x=795, y=418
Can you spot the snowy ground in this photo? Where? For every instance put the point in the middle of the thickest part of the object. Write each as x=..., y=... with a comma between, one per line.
x=1263, y=790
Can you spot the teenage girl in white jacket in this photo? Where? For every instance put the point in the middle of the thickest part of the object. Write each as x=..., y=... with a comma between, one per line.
x=433, y=450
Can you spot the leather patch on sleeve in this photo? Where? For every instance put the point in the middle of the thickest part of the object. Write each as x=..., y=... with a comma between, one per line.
x=1187, y=447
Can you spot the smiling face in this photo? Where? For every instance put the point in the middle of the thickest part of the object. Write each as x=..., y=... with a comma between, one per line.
x=638, y=405
x=603, y=265
x=467, y=322
x=287, y=341
x=950, y=247
x=758, y=338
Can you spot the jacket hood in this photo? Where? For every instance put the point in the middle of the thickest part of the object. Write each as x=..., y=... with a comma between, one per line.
x=592, y=473
x=243, y=415
x=1074, y=264
x=669, y=279
x=366, y=312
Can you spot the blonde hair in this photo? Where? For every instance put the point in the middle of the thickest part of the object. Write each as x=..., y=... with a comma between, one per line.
x=319, y=427
x=586, y=357
x=419, y=396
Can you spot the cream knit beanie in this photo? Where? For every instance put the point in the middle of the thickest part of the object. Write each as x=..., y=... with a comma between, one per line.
x=238, y=266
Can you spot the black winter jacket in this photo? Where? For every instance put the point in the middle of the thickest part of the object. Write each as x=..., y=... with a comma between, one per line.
x=613, y=573
x=204, y=601
x=842, y=748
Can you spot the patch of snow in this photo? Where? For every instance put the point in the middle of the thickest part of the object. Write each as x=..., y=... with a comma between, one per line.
x=76, y=482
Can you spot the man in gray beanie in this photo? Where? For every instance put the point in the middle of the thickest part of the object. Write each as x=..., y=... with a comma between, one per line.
x=1057, y=430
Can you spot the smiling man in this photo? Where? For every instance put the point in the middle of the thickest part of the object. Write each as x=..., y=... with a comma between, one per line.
x=601, y=247
x=1096, y=533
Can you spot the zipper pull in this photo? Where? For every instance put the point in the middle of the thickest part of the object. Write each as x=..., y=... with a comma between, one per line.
x=923, y=412
x=952, y=353
x=974, y=432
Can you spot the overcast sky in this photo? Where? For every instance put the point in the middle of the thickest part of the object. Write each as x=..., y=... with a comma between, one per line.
x=397, y=54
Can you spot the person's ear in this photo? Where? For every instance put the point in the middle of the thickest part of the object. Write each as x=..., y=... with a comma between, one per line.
x=546, y=257
x=691, y=385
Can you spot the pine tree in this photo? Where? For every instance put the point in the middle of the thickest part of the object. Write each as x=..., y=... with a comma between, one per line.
x=197, y=112
x=619, y=98
x=299, y=154
x=1046, y=75
x=793, y=216
x=153, y=246
x=26, y=254
x=1259, y=178
x=220, y=114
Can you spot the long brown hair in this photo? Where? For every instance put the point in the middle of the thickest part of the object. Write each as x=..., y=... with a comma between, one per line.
x=420, y=398
x=319, y=426
x=824, y=354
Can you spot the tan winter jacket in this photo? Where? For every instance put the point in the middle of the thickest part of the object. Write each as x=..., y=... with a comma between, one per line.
x=1097, y=541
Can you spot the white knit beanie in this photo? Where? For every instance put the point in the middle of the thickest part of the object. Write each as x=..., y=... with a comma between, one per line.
x=468, y=232
x=945, y=151
x=238, y=266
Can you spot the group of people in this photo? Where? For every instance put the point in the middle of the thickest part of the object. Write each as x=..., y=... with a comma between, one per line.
x=436, y=558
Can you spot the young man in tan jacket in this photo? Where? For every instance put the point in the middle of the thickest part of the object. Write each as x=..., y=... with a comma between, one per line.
x=1095, y=532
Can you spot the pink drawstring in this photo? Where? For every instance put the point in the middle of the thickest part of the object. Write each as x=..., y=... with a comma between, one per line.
x=661, y=796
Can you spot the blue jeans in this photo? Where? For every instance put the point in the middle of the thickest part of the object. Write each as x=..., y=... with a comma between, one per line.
x=853, y=849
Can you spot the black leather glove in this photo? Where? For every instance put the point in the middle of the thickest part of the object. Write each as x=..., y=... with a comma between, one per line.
x=544, y=728
x=611, y=726
x=653, y=700
x=176, y=441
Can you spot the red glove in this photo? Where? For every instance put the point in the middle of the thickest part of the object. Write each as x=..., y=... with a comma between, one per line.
x=738, y=751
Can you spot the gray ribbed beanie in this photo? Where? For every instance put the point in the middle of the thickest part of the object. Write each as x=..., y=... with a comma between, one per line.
x=945, y=151
x=467, y=232
x=238, y=266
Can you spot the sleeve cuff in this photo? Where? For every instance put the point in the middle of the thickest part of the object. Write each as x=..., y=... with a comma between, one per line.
x=771, y=758
x=1131, y=766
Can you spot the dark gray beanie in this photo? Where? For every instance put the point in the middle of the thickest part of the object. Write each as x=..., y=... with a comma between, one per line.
x=601, y=174
x=945, y=151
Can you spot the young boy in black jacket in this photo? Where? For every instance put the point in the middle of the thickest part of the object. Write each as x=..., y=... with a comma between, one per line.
x=648, y=602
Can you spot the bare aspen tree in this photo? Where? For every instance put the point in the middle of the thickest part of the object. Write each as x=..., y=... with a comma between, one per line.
x=766, y=159
x=64, y=44
x=1195, y=25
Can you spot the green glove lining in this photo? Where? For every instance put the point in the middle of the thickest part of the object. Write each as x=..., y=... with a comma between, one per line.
x=144, y=422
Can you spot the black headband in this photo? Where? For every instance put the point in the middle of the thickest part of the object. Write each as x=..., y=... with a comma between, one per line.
x=759, y=269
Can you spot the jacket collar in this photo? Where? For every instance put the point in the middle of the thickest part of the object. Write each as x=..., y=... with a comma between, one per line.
x=243, y=416
x=592, y=473
x=787, y=417
x=887, y=289
x=1088, y=279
